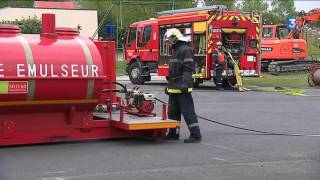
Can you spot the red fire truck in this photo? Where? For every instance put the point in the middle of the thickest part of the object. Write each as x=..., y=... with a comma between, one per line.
x=146, y=54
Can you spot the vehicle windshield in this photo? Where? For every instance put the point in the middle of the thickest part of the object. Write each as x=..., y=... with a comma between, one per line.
x=267, y=32
x=282, y=32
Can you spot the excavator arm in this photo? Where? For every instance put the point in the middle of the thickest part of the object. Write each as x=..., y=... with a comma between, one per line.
x=304, y=18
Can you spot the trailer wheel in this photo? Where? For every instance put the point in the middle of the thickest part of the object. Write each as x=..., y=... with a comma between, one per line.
x=135, y=72
x=159, y=135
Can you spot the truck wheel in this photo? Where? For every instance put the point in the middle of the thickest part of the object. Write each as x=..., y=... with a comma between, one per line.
x=197, y=82
x=226, y=83
x=147, y=78
x=135, y=74
x=229, y=83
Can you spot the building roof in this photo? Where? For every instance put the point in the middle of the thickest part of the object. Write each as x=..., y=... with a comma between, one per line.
x=54, y=5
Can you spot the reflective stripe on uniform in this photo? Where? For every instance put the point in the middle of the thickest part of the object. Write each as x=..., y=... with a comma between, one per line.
x=175, y=61
x=188, y=60
x=193, y=125
x=177, y=91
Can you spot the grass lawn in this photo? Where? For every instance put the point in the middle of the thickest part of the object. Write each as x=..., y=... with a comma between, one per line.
x=286, y=80
x=121, y=68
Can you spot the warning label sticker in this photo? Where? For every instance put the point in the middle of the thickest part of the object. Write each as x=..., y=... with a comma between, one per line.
x=13, y=87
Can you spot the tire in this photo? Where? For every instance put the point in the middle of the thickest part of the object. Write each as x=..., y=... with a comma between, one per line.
x=229, y=83
x=135, y=72
x=226, y=83
x=197, y=82
x=310, y=81
x=147, y=78
x=278, y=69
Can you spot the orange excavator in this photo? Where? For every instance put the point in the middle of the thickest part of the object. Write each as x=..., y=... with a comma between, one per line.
x=284, y=50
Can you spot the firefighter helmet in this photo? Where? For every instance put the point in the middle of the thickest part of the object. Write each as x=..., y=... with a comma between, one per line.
x=219, y=43
x=173, y=35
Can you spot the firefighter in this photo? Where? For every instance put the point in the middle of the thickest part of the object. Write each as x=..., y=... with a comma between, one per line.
x=220, y=64
x=179, y=86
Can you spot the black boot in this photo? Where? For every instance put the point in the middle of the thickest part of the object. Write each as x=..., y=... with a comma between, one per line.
x=173, y=134
x=193, y=139
x=195, y=135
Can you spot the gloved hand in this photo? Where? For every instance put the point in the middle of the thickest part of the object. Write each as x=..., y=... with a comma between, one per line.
x=166, y=91
x=184, y=89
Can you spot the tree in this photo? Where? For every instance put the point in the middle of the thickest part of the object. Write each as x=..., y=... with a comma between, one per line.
x=230, y=4
x=13, y=3
x=260, y=6
x=254, y=5
x=282, y=9
x=30, y=25
x=125, y=12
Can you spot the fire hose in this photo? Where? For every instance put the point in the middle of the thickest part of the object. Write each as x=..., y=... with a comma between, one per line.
x=262, y=132
x=293, y=92
x=237, y=73
x=251, y=130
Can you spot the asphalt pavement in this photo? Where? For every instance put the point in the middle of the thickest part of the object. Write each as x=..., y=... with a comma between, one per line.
x=224, y=153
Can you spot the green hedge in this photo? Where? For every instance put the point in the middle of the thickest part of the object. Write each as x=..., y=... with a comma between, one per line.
x=30, y=25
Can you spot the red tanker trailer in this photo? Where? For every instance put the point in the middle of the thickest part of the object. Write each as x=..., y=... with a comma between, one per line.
x=51, y=85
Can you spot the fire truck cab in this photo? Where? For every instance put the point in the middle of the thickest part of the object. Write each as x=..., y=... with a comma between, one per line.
x=146, y=54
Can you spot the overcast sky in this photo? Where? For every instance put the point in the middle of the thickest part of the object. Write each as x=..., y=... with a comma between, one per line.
x=306, y=5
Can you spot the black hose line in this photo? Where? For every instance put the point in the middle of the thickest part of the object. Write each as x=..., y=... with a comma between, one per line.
x=111, y=90
x=160, y=101
x=246, y=129
x=250, y=130
x=122, y=85
x=125, y=90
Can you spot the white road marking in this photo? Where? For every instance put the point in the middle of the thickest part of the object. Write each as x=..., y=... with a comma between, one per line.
x=54, y=172
x=53, y=178
x=230, y=149
x=221, y=159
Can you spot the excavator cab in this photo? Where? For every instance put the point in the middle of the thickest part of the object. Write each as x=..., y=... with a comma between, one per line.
x=282, y=32
x=275, y=32
x=277, y=45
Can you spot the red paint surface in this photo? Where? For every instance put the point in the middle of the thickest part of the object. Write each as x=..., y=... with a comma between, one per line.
x=56, y=52
x=67, y=114
x=54, y=5
x=36, y=123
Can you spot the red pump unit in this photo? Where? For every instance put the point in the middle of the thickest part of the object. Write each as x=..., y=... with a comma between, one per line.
x=51, y=83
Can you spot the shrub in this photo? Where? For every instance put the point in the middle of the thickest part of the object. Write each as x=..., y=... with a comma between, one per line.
x=30, y=25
